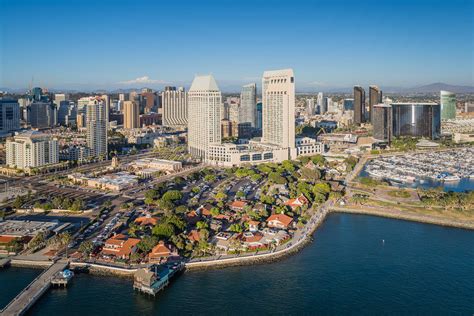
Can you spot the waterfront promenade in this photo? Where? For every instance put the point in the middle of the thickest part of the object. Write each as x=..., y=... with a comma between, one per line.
x=300, y=237
x=30, y=294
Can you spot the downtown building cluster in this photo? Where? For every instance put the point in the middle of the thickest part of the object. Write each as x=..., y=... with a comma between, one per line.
x=278, y=141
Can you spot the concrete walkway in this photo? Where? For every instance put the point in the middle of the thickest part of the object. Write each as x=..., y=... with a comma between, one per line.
x=29, y=295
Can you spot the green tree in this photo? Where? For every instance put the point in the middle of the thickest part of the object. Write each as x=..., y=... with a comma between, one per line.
x=267, y=199
x=163, y=230
x=236, y=228
x=201, y=225
x=288, y=166
x=215, y=211
x=318, y=160
x=172, y=196
x=14, y=246
x=276, y=178
x=210, y=178
x=86, y=247
x=220, y=196
x=322, y=188
x=77, y=205
x=147, y=243
x=310, y=174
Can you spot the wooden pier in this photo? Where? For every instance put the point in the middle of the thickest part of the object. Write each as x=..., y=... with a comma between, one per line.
x=29, y=295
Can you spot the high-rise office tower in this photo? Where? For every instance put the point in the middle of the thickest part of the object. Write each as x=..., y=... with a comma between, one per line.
x=66, y=112
x=106, y=99
x=175, y=107
x=310, y=108
x=134, y=96
x=416, y=119
x=323, y=108
x=96, y=127
x=30, y=150
x=359, y=105
x=348, y=104
x=204, y=115
x=131, y=115
x=382, y=121
x=149, y=101
x=375, y=97
x=42, y=114
x=248, y=103
x=123, y=97
x=9, y=116
x=448, y=105
x=258, y=116
x=58, y=97
x=278, y=98
x=319, y=102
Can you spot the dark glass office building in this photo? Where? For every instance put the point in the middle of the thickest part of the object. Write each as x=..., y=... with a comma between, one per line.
x=416, y=119
x=382, y=122
x=359, y=105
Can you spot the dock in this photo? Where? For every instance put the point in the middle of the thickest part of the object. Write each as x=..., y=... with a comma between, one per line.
x=4, y=262
x=155, y=278
x=30, y=294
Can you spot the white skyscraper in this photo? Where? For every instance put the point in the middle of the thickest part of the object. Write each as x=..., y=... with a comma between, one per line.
x=319, y=100
x=204, y=115
x=278, y=117
x=248, y=104
x=31, y=149
x=310, y=109
x=96, y=124
x=175, y=107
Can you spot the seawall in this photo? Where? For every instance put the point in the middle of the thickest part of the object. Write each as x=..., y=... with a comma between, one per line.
x=426, y=219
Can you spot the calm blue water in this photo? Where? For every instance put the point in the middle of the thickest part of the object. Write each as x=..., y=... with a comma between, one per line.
x=465, y=184
x=419, y=269
x=13, y=280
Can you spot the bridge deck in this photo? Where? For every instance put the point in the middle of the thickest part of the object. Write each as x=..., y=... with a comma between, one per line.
x=29, y=295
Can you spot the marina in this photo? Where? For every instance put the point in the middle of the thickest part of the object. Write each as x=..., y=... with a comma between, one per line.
x=430, y=167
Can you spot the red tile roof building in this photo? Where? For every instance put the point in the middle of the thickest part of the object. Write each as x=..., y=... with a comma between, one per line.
x=281, y=221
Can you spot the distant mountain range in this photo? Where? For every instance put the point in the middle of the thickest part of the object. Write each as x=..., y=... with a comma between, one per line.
x=438, y=86
x=234, y=88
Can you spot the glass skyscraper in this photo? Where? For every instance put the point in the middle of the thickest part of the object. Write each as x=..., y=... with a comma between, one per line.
x=448, y=105
x=348, y=104
x=416, y=119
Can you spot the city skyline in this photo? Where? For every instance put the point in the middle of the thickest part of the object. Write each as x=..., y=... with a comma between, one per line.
x=106, y=54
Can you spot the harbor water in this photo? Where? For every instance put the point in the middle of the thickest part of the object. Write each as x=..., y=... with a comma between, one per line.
x=357, y=264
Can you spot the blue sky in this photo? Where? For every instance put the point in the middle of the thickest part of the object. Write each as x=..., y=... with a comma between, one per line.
x=109, y=44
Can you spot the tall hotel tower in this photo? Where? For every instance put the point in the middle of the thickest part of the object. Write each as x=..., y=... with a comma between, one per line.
x=359, y=105
x=248, y=104
x=131, y=115
x=96, y=123
x=204, y=116
x=278, y=117
x=375, y=97
x=175, y=107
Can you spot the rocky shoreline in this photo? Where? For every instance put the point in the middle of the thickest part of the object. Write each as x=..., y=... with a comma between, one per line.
x=413, y=217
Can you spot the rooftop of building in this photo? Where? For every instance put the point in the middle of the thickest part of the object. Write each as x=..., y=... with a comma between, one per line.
x=204, y=83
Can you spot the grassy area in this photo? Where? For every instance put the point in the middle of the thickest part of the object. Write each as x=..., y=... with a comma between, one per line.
x=399, y=194
x=370, y=182
x=419, y=208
